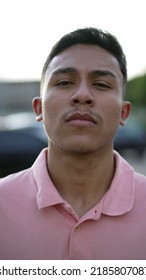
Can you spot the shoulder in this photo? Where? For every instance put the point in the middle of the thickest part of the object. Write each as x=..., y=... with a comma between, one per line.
x=140, y=181
x=126, y=171
x=16, y=183
x=21, y=175
x=129, y=180
x=17, y=191
x=140, y=177
x=24, y=182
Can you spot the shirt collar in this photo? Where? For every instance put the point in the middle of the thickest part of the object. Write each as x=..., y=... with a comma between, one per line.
x=120, y=196
x=118, y=199
x=47, y=194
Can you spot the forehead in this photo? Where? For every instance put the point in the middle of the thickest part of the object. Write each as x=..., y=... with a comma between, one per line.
x=85, y=58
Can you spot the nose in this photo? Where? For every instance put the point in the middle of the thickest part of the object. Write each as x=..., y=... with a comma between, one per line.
x=83, y=96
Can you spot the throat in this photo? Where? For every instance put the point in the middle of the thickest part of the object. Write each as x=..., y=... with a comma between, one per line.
x=81, y=183
x=82, y=205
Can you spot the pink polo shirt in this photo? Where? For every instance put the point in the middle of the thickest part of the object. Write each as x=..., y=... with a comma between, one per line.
x=37, y=223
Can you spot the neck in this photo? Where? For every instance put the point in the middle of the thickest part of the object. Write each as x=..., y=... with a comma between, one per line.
x=81, y=179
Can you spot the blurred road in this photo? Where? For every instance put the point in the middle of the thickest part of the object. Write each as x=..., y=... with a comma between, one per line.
x=139, y=163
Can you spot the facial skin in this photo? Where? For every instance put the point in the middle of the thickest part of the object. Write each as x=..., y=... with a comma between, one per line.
x=82, y=104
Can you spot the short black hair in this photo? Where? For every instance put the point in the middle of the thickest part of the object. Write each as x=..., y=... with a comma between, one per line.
x=90, y=36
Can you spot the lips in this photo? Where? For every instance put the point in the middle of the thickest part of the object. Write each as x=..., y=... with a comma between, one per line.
x=81, y=119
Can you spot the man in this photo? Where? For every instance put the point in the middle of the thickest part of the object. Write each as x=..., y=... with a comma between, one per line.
x=80, y=199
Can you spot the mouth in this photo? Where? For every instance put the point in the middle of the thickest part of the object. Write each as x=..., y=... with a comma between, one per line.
x=81, y=119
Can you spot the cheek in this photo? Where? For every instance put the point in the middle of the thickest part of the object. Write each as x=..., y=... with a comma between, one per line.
x=54, y=102
x=49, y=106
x=52, y=111
x=49, y=115
x=112, y=112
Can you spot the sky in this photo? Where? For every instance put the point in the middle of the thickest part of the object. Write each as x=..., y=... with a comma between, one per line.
x=29, y=29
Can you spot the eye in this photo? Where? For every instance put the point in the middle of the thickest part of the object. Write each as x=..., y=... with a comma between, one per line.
x=64, y=83
x=101, y=85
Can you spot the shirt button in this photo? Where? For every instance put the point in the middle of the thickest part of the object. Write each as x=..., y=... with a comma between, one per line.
x=77, y=229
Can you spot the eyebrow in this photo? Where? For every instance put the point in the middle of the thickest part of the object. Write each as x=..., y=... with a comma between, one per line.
x=96, y=73
x=66, y=70
x=103, y=73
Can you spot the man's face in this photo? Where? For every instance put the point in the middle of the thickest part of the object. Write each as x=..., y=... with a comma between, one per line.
x=82, y=104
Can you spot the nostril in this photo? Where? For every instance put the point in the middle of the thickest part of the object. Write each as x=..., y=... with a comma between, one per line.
x=82, y=100
x=76, y=101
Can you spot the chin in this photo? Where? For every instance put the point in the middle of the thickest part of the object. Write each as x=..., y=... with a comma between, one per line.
x=83, y=151
x=80, y=149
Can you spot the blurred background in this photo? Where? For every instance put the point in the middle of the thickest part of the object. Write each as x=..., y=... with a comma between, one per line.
x=28, y=30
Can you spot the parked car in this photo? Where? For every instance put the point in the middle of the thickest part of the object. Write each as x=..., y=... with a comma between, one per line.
x=132, y=136
x=21, y=140
x=19, y=149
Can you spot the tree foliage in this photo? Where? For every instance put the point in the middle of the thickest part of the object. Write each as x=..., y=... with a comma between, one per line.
x=136, y=91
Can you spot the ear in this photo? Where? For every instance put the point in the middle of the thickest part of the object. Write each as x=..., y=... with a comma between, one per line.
x=37, y=107
x=126, y=108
